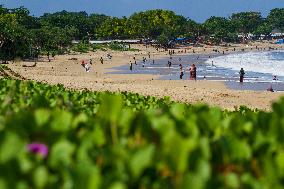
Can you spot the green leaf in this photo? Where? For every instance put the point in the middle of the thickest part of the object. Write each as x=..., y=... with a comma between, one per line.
x=41, y=117
x=40, y=177
x=232, y=181
x=111, y=107
x=10, y=146
x=61, y=121
x=141, y=160
x=280, y=163
x=61, y=153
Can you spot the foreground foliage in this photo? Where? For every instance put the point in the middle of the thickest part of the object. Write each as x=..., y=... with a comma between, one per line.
x=116, y=141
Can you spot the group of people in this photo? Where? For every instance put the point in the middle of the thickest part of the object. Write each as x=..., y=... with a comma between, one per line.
x=87, y=64
x=192, y=72
x=144, y=60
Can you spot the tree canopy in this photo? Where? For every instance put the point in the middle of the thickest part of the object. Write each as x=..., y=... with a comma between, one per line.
x=21, y=33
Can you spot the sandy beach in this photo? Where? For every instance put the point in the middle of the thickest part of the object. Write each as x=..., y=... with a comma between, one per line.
x=67, y=70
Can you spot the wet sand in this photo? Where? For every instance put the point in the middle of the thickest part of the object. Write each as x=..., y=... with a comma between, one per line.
x=71, y=74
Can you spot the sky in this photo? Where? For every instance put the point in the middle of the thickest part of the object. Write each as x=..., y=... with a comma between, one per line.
x=198, y=10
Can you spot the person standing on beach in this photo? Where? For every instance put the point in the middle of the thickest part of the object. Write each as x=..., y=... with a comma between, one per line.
x=242, y=74
x=102, y=60
x=48, y=56
x=192, y=72
x=131, y=66
x=169, y=64
x=181, y=71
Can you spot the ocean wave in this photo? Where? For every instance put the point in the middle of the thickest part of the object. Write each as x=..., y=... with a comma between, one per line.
x=270, y=62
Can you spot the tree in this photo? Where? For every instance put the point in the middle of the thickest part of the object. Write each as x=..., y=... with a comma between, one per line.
x=219, y=28
x=24, y=19
x=112, y=28
x=192, y=28
x=63, y=19
x=276, y=19
x=13, y=38
x=153, y=23
x=54, y=39
x=247, y=21
x=163, y=40
x=263, y=29
x=96, y=21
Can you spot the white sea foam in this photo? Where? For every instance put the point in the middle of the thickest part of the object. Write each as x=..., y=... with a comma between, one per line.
x=260, y=62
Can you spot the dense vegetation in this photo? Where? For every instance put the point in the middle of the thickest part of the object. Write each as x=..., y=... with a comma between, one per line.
x=25, y=36
x=117, y=141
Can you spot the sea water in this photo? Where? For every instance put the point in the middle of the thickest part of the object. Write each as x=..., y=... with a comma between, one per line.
x=260, y=69
x=259, y=66
x=263, y=69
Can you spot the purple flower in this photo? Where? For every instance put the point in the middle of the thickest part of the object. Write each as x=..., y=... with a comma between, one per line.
x=38, y=148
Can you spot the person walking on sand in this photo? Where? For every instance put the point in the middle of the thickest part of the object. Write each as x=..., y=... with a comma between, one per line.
x=102, y=60
x=192, y=72
x=242, y=74
x=131, y=66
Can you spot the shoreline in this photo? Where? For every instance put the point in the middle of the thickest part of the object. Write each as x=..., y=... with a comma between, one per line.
x=70, y=73
x=162, y=72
